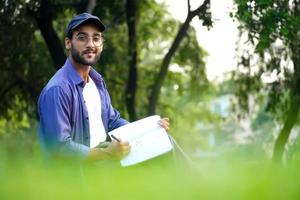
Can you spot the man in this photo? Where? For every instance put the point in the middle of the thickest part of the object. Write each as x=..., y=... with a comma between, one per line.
x=74, y=107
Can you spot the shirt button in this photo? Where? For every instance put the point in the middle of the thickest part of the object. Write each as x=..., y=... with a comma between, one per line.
x=87, y=118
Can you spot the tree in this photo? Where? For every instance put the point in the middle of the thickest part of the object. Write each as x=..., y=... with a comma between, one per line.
x=273, y=30
x=203, y=13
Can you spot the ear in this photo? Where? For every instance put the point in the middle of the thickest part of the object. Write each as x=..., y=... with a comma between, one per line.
x=68, y=43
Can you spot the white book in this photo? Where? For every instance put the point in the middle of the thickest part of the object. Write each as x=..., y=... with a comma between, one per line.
x=146, y=138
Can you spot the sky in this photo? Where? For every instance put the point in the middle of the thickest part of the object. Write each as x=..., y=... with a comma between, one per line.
x=219, y=41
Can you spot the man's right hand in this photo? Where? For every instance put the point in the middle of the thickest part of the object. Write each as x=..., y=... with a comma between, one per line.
x=115, y=150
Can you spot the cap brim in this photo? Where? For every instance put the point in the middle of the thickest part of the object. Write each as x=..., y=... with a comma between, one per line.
x=94, y=21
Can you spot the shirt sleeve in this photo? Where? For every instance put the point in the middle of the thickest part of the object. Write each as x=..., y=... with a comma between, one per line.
x=55, y=126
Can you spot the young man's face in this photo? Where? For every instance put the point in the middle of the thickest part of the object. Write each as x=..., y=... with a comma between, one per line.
x=86, y=44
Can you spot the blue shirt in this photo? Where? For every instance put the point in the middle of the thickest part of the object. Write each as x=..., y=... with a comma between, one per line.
x=64, y=125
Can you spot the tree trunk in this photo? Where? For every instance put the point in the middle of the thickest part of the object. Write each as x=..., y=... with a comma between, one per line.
x=53, y=43
x=285, y=131
x=86, y=6
x=91, y=6
x=154, y=95
x=132, y=55
x=44, y=21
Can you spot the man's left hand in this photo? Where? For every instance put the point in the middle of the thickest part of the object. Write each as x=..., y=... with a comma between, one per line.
x=165, y=123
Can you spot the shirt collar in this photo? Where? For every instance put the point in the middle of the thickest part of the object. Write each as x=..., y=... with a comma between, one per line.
x=77, y=79
x=72, y=73
x=95, y=76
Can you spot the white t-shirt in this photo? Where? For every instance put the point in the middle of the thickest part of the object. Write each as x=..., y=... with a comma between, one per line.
x=93, y=104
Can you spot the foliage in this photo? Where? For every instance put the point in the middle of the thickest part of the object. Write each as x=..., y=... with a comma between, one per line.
x=271, y=29
x=29, y=52
x=273, y=32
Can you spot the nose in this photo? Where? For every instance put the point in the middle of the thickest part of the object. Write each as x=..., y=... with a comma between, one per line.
x=90, y=42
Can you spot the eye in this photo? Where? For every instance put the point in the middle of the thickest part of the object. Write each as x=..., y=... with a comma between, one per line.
x=97, y=38
x=81, y=37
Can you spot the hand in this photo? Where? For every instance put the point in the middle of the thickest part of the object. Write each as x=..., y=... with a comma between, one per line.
x=114, y=150
x=165, y=123
x=117, y=150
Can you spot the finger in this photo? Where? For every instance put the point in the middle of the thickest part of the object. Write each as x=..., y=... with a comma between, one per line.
x=166, y=119
x=167, y=123
x=161, y=122
x=164, y=125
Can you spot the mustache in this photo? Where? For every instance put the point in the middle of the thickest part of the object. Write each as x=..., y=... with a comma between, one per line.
x=89, y=50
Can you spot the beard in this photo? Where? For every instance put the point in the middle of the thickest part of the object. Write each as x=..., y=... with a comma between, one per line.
x=79, y=57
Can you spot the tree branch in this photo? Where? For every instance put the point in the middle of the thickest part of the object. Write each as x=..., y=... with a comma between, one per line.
x=189, y=6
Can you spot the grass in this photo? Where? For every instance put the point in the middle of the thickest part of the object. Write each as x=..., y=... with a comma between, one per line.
x=30, y=177
x=243, y=174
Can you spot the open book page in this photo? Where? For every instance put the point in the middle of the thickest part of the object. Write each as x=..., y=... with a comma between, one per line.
x=146, y=137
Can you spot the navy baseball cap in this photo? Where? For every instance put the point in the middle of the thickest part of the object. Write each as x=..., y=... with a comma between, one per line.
x=83, y=18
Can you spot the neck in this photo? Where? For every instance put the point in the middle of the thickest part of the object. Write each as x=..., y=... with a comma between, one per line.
x=83, y=70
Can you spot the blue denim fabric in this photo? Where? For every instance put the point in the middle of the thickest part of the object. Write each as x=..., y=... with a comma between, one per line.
x=64, y=125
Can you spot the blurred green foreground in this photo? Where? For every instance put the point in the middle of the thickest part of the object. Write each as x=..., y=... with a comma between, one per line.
x=28, y=176
x=232, y=172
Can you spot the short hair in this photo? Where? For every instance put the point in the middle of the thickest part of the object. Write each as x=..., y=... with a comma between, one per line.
x=70, y=34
